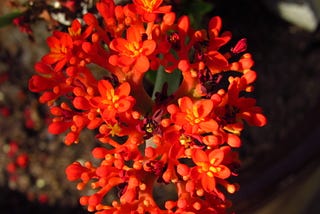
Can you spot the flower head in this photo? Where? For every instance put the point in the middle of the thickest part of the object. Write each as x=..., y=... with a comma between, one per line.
x=149, y=8
x=61, y=45
x=208, y=167
x=112, y=100
x=193, y=117
x=132, y=52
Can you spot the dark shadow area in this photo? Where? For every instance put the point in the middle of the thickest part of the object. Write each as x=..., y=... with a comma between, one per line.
x=286, y=151
x=13, y=202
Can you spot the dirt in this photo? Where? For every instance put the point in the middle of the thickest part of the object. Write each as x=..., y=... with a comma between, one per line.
x=287, y=61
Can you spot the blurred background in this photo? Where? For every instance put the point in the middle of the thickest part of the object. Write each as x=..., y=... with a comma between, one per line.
x=280, y=171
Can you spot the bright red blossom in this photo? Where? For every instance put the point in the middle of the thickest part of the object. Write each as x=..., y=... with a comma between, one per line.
x=61, y=46
x=112, y=101
x=133, y=51
x=194, y=117
x=149, y=8
x=209, y=167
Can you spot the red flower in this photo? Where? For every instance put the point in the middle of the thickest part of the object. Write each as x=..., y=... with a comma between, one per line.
x=106, y=9
x=208, y=167
x=133, y=51
x=75, y=170
x=216, y=61
x=112, y=100
x=22, y=160
x=61, y=45
x=52, y=83
x=149, y=8
x=179, y=34
x=193, y=117
x=243, y=107
x=75, y=31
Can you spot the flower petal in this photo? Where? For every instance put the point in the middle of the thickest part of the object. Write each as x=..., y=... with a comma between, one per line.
x=142, y=64
x=208, y=183
x=199, y=156
x=216, y=157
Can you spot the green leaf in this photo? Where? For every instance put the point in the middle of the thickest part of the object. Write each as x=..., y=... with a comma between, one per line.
x=196, y=10
x=173, y=79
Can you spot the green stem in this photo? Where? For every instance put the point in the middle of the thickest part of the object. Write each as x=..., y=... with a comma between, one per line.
x=144, y=102
x=186, y=87
x=173, y=80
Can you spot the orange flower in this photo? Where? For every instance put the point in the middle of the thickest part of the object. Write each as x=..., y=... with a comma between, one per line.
x=75, y=170
x=148, y=5
x=133, y=51
x=243, y=107
x=112, y=100
x=149, y=8
x=60, y=45
x=52, y=83
x=193, y=117
x=75, y=31
x=212, y=57
x=107, y=9
x=208, y=167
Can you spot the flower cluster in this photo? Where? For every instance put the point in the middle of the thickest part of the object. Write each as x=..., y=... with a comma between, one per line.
x=18, y=159
x=186, y=139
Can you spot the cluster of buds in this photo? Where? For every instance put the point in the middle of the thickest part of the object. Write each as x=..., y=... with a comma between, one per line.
x=17, y=167
x=17, y=158
x=93, y=78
